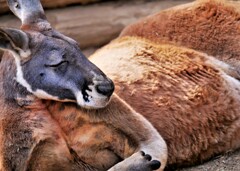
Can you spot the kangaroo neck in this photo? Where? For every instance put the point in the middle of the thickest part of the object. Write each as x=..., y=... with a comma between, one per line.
x=12, y=93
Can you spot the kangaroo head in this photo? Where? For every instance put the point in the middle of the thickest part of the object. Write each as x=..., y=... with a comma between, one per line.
x=51, y=65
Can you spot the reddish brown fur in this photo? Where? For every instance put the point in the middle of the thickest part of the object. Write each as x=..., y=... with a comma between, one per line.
x=185, y=96
x=95, y=136
x=210, y=26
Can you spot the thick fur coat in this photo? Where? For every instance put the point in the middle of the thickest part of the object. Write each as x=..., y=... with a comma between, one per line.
x=210, y=26
x=190, y=97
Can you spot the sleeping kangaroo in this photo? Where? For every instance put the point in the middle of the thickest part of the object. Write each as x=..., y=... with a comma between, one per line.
x=191, y=98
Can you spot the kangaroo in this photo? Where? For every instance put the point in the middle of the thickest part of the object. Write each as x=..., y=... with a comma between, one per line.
x=191, y=98
x=38, y=69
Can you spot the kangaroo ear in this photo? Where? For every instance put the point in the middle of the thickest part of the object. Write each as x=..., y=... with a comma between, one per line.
x=15, y=41
x=31, y=13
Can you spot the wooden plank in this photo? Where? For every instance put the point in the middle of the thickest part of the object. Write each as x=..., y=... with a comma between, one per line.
x=97, y=24
x=3, y=6
x=49, y=3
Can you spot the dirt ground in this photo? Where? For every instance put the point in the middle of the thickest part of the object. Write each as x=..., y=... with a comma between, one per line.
x=227, y=162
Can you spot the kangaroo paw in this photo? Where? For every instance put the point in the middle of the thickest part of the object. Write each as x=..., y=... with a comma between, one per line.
x=144, y=162
x=137, y=162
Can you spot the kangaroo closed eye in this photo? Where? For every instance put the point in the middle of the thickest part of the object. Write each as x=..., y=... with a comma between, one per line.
x=58, y=64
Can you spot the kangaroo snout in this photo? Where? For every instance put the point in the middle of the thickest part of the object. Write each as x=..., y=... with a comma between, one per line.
x=105, y=88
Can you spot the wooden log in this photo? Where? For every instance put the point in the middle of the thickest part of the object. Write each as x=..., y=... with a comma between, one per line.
x=1, y=53
x=97, y=24
x=3, y=6
x=62, y=3
x=48, y=3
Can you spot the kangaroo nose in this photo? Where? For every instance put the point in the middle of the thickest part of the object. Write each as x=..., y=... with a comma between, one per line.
x=105, y=88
